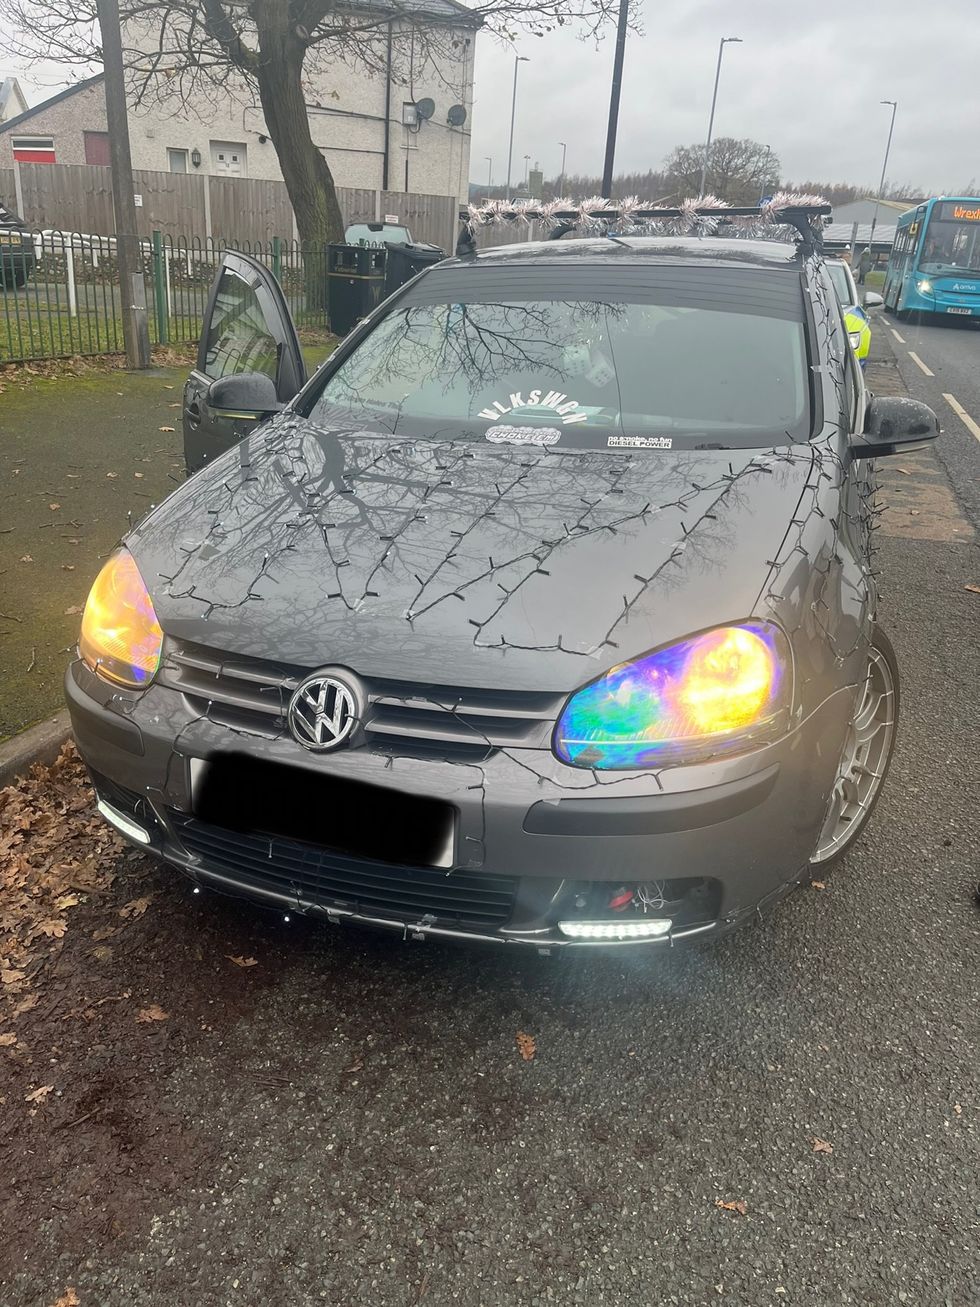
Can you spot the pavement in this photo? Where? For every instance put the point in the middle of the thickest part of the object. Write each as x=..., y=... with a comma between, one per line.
x=790, y=1115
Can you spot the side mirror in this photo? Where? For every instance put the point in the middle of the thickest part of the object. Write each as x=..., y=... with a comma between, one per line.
x=248, y=395
x=893, y=425
x=873, y=300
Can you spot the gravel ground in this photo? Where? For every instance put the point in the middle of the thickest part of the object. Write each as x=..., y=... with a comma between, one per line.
x=364, y=1129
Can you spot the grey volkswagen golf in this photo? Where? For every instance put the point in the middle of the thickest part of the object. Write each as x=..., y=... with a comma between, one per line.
x=544, y=613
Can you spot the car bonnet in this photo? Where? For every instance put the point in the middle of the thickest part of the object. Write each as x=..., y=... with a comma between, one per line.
x=462, y=562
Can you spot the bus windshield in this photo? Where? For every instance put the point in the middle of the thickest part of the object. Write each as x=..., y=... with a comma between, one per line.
x=952, y=239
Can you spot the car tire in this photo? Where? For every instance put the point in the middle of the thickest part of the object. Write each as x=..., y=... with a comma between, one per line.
x=870, y=740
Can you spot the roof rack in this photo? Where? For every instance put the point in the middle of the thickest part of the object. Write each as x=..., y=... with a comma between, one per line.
x=805, y=214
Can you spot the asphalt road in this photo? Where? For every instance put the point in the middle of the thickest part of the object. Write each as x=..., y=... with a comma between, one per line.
x=950, y=350
x=399, y=1151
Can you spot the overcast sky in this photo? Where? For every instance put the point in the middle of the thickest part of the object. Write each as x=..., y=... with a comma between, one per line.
x=807, y=81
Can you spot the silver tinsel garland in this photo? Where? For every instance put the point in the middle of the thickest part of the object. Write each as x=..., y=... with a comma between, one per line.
x=633, y=216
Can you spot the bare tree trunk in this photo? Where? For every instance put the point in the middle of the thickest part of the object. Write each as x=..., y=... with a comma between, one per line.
x=305, y=171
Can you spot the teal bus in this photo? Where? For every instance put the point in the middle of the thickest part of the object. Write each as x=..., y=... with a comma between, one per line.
x=934, y=265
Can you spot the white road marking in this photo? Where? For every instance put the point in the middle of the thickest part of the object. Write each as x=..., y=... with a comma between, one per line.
x=962, y=414
x=900, y=339
x=915, y=359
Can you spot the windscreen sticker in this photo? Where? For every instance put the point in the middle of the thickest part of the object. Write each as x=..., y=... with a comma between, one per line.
x=554, y=401
x=524, y=435
x=640, y=442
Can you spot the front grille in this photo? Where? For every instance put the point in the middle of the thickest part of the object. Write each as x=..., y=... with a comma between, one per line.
x=417, y=719
x=328, y=879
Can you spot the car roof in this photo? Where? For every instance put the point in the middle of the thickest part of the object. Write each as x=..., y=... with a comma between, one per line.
x=638, y=249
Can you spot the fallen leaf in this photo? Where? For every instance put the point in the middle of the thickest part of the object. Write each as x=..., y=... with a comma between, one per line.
x=68, y=567
x=913, y=512
x=38, y=1095
x=168, y=387
x=8, y=1039
x=821, y=1146
x=138, y=476
x=973, y=589
x=136, y=907
x=54, y=928
x=526, y=1045
x=956, y=1107
x=104, y=932
x=818, y=884
x=737, y=1206
x=356, y=1065
x=904, y=471
x=11, y=976
x=242, y=961
x=26, y=558
x=102, y=953
x=112, y=475
x=152, y=1013
x=24, y=1005
x=165, y=428
x=73, y=610
x=54, y=507
x=69, y=1298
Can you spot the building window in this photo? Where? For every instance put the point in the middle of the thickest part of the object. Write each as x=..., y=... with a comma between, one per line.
x=177, y=160
x=228, y=159
x=33, y=149
x=97, y=148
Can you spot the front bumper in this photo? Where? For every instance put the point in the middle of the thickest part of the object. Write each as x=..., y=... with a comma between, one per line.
x=536, y=842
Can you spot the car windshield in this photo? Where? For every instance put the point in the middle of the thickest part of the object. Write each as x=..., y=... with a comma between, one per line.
x=842, y=284
x=377, y=234
x=685, y=366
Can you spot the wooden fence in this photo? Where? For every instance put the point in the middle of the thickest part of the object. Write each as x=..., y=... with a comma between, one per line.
x=78, y=198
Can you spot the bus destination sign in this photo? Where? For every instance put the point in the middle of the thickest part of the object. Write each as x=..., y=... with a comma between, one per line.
x=953, y=211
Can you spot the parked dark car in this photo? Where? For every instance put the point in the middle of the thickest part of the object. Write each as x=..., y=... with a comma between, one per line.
x=17, y=256
x=382, y=233
x=543, y=613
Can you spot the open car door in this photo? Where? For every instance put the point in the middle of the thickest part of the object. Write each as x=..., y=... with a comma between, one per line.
x=249, y=361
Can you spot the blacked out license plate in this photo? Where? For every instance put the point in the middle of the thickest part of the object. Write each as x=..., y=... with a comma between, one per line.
x=252, y=795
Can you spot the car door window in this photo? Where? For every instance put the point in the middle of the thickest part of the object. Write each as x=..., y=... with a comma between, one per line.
x=238, y=338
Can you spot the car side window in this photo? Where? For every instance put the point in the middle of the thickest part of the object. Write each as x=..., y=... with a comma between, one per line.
x=238, y=337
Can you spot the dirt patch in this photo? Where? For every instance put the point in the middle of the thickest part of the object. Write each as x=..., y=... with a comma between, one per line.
x=109, y=977
x=39, y=371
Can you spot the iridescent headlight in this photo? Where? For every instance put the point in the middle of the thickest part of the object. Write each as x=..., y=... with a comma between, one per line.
x=121, y=638
x=716, y=692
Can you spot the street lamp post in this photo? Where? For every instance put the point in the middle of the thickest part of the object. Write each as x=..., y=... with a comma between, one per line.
x=884, y=167
x=561, y=178
x=765, y=174
x=614, y=94
x=518, y=59
x=489, y=159
x=725, y=40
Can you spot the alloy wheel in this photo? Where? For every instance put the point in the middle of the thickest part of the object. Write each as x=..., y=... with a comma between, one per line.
x=864, y=760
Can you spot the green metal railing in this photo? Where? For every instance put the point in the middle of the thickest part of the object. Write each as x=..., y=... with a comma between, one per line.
x=68, y=303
